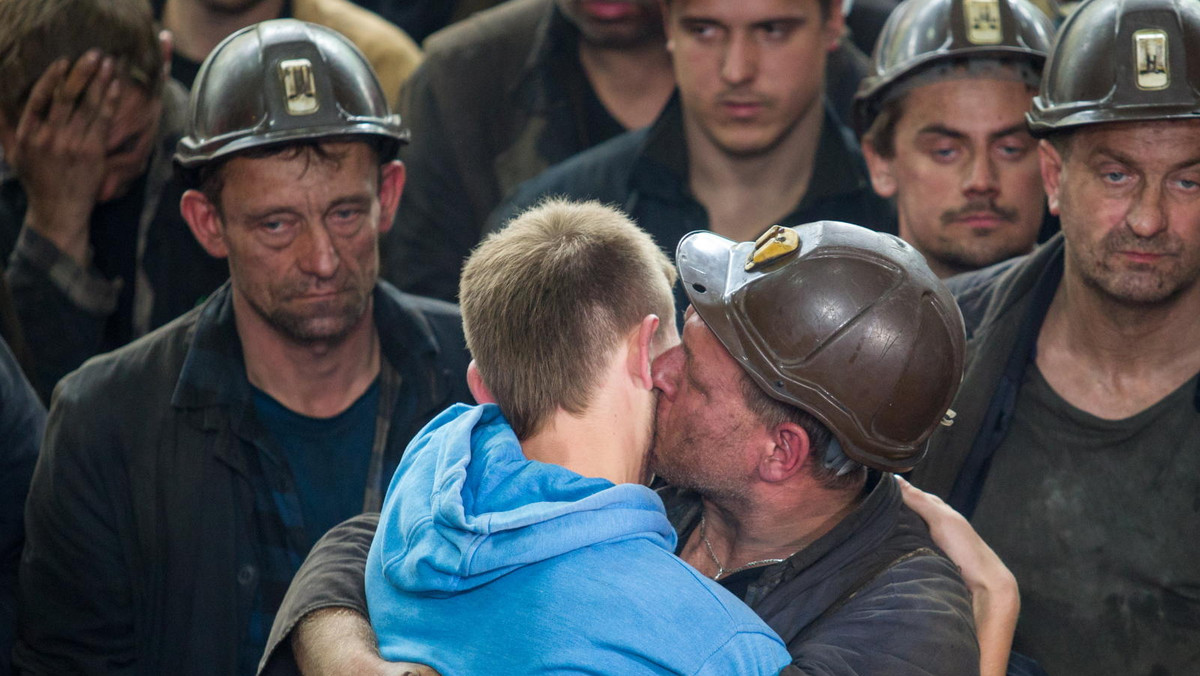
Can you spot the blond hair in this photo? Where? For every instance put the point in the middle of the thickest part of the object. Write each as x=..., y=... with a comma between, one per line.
x=546, y=300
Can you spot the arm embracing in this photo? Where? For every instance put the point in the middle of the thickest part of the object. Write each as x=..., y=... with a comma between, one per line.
x=324, y=614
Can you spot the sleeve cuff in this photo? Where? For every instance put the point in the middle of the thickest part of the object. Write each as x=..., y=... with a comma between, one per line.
x=85, y=287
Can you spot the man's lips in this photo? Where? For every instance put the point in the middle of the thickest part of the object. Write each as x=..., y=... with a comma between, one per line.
x=981, y=219
x=741, y=108
x=1142, y=256
x=609, y=10
x=318, y=295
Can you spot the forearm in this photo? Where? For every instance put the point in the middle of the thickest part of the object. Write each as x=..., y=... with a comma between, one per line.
x=328, y=585
x=62, y=308
x=996, y=606
x=323, y=617
x=995, y=599
x=334, y=641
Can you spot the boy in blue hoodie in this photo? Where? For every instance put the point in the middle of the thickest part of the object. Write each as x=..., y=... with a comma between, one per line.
x=518, y=536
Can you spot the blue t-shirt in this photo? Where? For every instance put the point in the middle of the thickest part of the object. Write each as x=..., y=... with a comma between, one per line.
x=329, y=458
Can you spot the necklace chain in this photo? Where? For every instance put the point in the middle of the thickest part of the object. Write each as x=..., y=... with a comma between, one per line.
x=721, y=570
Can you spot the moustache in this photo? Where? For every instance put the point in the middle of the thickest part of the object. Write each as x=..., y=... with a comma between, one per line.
x=977, y=208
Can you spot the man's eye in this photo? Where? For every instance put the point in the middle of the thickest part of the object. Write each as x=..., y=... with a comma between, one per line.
x=1012, y=150
x=777, y=31
x=274, y=225
x=127, y=146
x=944, y=154
x=348, y=217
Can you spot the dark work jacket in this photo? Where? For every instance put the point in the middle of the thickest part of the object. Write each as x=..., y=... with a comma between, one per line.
x=136, y=561
x=22, y=422
x=872, y=596
x=1003, y=307
x=645, y=172
x=498, y=99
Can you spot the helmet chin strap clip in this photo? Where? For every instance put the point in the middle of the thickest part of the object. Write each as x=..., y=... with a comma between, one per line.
x=836, y=459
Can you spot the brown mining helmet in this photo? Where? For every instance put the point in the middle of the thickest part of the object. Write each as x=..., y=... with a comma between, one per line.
x=920, y=34
x=845, y=323
x=284, y=81
x=1122, y=61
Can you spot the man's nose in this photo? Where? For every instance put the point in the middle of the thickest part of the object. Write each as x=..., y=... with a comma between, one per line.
x=981, y=176
x=740, y=60
x=1147, y=215
x=317, y=256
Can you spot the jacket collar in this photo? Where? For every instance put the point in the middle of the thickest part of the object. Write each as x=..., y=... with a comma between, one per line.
x=555, y=39
x=662, y=166
x=1015, y=279
x=1000, y=311
x=214, y=371
x=868, y=525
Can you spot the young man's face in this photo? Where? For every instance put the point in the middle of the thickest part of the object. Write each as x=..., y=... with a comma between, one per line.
x=1128, y=195
x=301, y=233
x=702, y=422
x=130, y=141
x=964, y=173
x=749, y=70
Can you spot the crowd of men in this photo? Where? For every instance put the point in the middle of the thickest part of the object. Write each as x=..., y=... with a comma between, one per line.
x=245, y=426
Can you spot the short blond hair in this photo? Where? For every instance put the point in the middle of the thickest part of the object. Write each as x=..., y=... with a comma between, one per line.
x=548, y=298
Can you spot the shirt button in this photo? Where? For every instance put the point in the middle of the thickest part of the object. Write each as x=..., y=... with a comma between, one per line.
x=246, y=575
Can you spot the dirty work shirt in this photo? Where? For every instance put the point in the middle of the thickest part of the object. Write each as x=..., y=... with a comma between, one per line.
x=328, y=457
x=1108, y=543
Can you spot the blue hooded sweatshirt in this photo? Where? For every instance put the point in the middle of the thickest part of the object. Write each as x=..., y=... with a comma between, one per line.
x=486, y=562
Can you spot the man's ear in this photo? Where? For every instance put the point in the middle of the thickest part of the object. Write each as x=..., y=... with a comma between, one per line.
x=641, y=352
x=1052, y=167
x=478, y=388
x=665, y=10
x=166, y=45
x=205, y=222
x=835, y=25
x=790, y=450
x=391, y=186
x=883, y=178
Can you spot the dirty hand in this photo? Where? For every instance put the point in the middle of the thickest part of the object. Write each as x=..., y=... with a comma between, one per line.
x=59, y=147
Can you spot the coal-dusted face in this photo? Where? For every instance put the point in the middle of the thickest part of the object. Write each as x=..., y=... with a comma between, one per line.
x=1128, y=195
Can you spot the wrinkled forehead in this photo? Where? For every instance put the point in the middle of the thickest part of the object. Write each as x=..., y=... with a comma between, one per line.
x=1171, y=143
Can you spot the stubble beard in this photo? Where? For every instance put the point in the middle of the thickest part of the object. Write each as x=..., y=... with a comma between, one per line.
x=1135, y=284
x=680, y=464
x=974, y=250
x=329, y=322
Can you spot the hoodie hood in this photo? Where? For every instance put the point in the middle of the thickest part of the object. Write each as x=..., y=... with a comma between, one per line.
x=466, y=506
